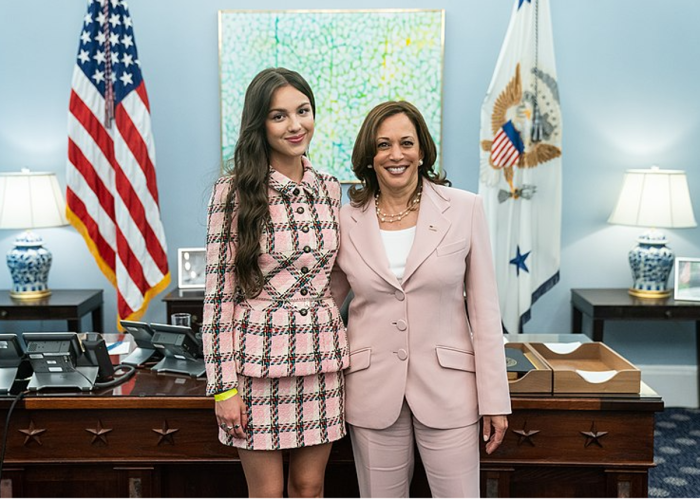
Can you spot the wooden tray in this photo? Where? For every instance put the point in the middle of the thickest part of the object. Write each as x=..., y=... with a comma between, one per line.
x=590, y=368
x=536, y=381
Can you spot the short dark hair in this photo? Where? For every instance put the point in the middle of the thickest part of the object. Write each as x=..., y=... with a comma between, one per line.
x=366, y=148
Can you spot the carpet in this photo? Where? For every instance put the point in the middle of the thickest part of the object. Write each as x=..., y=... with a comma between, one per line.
x=676, y=454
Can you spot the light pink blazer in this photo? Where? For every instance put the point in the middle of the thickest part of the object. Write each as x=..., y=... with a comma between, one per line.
x=416, y=339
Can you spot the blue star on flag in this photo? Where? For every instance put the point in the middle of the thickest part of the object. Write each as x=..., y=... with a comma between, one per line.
x=520, y=2
x=519, y=261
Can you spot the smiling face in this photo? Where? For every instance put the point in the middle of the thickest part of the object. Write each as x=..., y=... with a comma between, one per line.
x=397, y=155
x=289, y=126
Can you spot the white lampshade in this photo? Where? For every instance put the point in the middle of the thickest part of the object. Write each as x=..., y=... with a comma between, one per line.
x=654, y=198
x=30, y=200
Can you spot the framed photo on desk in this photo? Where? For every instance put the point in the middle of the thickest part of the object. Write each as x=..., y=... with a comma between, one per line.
x=687, y=282
x=191, y=264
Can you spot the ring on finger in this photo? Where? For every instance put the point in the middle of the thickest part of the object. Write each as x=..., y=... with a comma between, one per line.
x=236, y=426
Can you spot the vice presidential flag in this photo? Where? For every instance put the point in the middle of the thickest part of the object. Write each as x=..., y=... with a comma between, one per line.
x=520, y=173
x=111, y=195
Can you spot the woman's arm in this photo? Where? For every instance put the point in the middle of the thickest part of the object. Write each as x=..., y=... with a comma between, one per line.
x=484, y=315
x=219, y=293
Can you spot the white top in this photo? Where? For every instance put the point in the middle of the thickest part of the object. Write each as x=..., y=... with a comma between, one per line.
x=397, y=244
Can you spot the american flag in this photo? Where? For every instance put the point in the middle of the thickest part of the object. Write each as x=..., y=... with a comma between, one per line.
x=111, y=195
x=507, y=146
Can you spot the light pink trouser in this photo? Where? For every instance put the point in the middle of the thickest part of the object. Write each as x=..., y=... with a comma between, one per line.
x=384, y=458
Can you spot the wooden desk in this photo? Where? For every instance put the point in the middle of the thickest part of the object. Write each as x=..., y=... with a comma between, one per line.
x=62, y=304
x=601, y=305
x=156, y=436
x=574, y=446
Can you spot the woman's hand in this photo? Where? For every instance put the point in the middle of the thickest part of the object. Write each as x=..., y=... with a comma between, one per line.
x=494, y=438
x=231, y=414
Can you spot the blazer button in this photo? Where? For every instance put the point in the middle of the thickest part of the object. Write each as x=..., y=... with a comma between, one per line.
x=399, y=295
x=402, y=354
x=303, y=312
x=304, y=292
x=304, y=270
x=401, y=325
x=296, y=191
x=300, y=210
x=307, y=249
x=305, y=229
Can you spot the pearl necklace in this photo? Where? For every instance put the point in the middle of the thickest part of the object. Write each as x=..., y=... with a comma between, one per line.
x=397, y=217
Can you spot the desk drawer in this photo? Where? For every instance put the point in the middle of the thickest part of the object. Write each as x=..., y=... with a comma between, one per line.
x=38, y=313
x=570, y=437
x=171, y=435
x=18, y=314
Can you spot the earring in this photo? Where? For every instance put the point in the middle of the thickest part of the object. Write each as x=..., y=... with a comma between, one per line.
x=370, y=166
x=420, y=162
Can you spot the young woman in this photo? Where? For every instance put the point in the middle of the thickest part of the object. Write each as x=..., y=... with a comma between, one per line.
x=274, y=341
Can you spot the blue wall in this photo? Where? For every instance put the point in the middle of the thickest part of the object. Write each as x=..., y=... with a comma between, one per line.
x=628, y=73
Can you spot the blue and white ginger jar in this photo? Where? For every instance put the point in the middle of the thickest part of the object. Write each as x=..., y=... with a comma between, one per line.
x=29, y=264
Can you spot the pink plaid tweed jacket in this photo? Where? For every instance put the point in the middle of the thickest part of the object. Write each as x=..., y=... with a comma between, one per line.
x=293, y=328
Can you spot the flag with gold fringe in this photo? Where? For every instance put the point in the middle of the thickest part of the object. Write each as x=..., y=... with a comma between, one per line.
x=111, y=195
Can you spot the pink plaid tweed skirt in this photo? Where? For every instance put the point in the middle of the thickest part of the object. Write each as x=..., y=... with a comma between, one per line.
x=287, y=413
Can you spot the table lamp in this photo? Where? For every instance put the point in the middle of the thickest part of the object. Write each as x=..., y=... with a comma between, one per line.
x=30, y=200
x=653, y=198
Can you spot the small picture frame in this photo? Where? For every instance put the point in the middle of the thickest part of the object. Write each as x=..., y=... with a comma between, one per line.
x=191, y=265
x=687, y=279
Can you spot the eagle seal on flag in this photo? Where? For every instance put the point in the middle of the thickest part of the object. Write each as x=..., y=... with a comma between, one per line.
x=522, y=123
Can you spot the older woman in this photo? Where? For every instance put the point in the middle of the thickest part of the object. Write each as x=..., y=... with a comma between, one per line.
x=425, y=364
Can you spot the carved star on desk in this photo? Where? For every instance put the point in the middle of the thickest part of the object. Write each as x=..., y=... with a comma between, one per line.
x=166, y=434
x=526, y=435
x=99, y=434
x=32, y=433
x=593, y=436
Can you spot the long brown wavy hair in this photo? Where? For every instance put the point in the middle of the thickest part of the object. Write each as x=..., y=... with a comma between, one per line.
x=365, y=150
x=250, y=170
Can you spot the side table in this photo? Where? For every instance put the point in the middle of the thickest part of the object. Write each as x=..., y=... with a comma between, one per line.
x=608, y=304
x=62, y=304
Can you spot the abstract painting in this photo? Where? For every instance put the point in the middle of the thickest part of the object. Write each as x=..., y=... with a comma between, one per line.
x=352, y=59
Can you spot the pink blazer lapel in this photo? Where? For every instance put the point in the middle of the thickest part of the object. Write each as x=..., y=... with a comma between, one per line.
x=430, y=230
x=366, y=238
